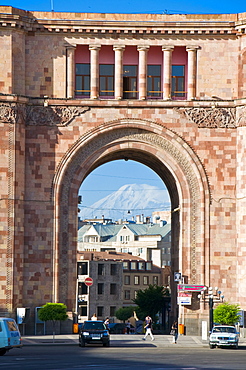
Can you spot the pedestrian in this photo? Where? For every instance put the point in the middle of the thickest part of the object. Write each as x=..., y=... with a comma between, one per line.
x=148, y=327
x=174, y=332
x=94, y=317
x=128, y=327
x=106, y=322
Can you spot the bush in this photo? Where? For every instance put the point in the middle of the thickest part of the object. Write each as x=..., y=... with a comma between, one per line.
x=226, y=314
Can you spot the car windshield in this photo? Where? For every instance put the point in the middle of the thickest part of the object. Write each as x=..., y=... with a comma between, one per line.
x=224, y=330
x=94, y=326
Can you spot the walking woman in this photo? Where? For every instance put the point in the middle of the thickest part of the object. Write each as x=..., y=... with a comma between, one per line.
x=174, y=332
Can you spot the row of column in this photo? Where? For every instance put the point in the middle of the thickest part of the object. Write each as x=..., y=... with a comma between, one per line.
x=143, y=50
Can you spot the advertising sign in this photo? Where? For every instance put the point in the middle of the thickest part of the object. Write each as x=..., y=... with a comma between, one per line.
x=184, y=298
x=191, y=288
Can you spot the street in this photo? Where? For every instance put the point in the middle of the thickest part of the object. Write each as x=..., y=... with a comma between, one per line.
x=140, y=356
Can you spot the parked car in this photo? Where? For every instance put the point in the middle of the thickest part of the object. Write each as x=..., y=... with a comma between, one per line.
x=94, y=332
x=9, y=335
x=223, y=336
x=117, y=328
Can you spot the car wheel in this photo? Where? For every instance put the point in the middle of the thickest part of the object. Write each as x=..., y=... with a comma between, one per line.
x=82, y=343
x=2, y=351
x=212, y=346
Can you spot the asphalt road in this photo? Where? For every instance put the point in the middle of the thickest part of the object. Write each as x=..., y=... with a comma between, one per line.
x=116, y=358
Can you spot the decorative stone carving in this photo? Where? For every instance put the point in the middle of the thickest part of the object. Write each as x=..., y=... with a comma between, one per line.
x=241, y=116
x=52, y=115
x=8, y=112
x=211, y=117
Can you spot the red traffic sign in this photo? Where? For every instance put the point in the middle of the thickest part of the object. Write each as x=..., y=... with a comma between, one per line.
x=89, y=281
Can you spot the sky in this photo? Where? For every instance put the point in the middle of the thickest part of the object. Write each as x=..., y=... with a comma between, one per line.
x=131, y=6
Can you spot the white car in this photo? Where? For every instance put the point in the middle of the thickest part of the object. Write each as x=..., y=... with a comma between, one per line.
x=224, y=335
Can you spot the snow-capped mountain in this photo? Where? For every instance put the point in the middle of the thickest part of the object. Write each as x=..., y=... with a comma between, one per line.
x=129, y=200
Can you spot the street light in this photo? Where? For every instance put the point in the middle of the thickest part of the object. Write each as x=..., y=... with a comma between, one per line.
x=210, y=297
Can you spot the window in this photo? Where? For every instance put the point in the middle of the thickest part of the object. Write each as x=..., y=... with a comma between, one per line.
x=113, y=269
x=125, y=265
x=127, y=238
x=127, y=279
x=130, y=82
x=122, y=238
x=124, y=250
x=106, y=78
x=100, y=288
x=112, y=310
x=140, y=250
x=82, y=289
x=133, y=265
x=141, y=265
x=154, y=81
x=135, y=294
x=82, y=79
x=146, y=280
x=100, y=310
x=155, y=280
x=127, y=294
x=100, y=269
x=83, y=310
x=148, y=266
x=83, y=268
x=178, y=81
x=112, y=288
x=136, y=280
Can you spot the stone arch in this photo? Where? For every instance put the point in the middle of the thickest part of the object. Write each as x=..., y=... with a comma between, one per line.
x=171, y=158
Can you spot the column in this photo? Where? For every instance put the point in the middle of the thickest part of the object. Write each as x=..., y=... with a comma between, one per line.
x=167, y=71
x=192, y=70
x=70, y=71
x=142, y=74
x=94, y=58
x=118, y=78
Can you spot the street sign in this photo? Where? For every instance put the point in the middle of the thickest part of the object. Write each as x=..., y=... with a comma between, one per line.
x=177, y=276
x=89, y=281
x=184, y=298
x=191, y=288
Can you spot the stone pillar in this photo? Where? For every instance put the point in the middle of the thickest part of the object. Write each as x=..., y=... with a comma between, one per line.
x=70, y=71
x=142, y=74
x=118, y=79
x=192, y=70
x=94, y=56
x=167, y=71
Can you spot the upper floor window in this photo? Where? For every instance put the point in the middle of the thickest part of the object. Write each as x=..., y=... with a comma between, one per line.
x=82, y=79
x=101, y=269
x=178, y=81
x=155, y=280
x=127, y=280
x=141, y=265
x=100, y=288
x=130, y=76
x=154, y=81
x=125, y=265
x=106, y=78
x=133, y=265
x=82, y=268
x=148, y=266
x=113, y=269
x=136, y=280
x=113, y=288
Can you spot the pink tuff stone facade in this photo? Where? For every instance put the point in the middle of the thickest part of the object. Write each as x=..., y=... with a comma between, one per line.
x=52, y=138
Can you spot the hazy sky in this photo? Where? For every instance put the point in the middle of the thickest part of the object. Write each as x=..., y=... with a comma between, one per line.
x=133, y=6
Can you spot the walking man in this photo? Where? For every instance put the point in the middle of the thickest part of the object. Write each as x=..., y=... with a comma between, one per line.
x=148, y=327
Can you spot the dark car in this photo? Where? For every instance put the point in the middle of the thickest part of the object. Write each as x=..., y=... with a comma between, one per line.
x=94, y=332
x=117, y=328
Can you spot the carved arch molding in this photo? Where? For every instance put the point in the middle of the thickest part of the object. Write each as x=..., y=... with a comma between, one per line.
x=117, y=136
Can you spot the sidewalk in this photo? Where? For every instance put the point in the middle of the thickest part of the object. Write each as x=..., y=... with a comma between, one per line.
x=121, y=340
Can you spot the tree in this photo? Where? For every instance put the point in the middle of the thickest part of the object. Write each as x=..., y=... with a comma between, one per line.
x=226, y=314
x=151, y=300
x=124, y=313
x=53, y=312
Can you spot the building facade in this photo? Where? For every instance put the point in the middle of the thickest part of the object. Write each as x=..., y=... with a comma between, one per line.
x=80, y=90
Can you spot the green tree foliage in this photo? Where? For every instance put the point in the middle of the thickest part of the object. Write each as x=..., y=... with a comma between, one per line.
x=124, y=313
x=150, y=301
x=226, y=314
x=53, y=312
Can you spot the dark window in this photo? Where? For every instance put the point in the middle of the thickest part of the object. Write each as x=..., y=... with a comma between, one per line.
x=113, y=269
x=83, y=310
x=83, y=289
x=83, y=268
x=112, y=288
x=178, y=81
x=100, y=269
x=130, y=82
x=153, y=81
x=100, y=311
x=127, y=294
x=106, y=73
x=112, y=310
x=82, y=79
x=100, y=288
x=127, y=279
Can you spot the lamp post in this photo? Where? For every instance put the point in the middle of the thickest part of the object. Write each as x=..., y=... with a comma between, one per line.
x=210, y=298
